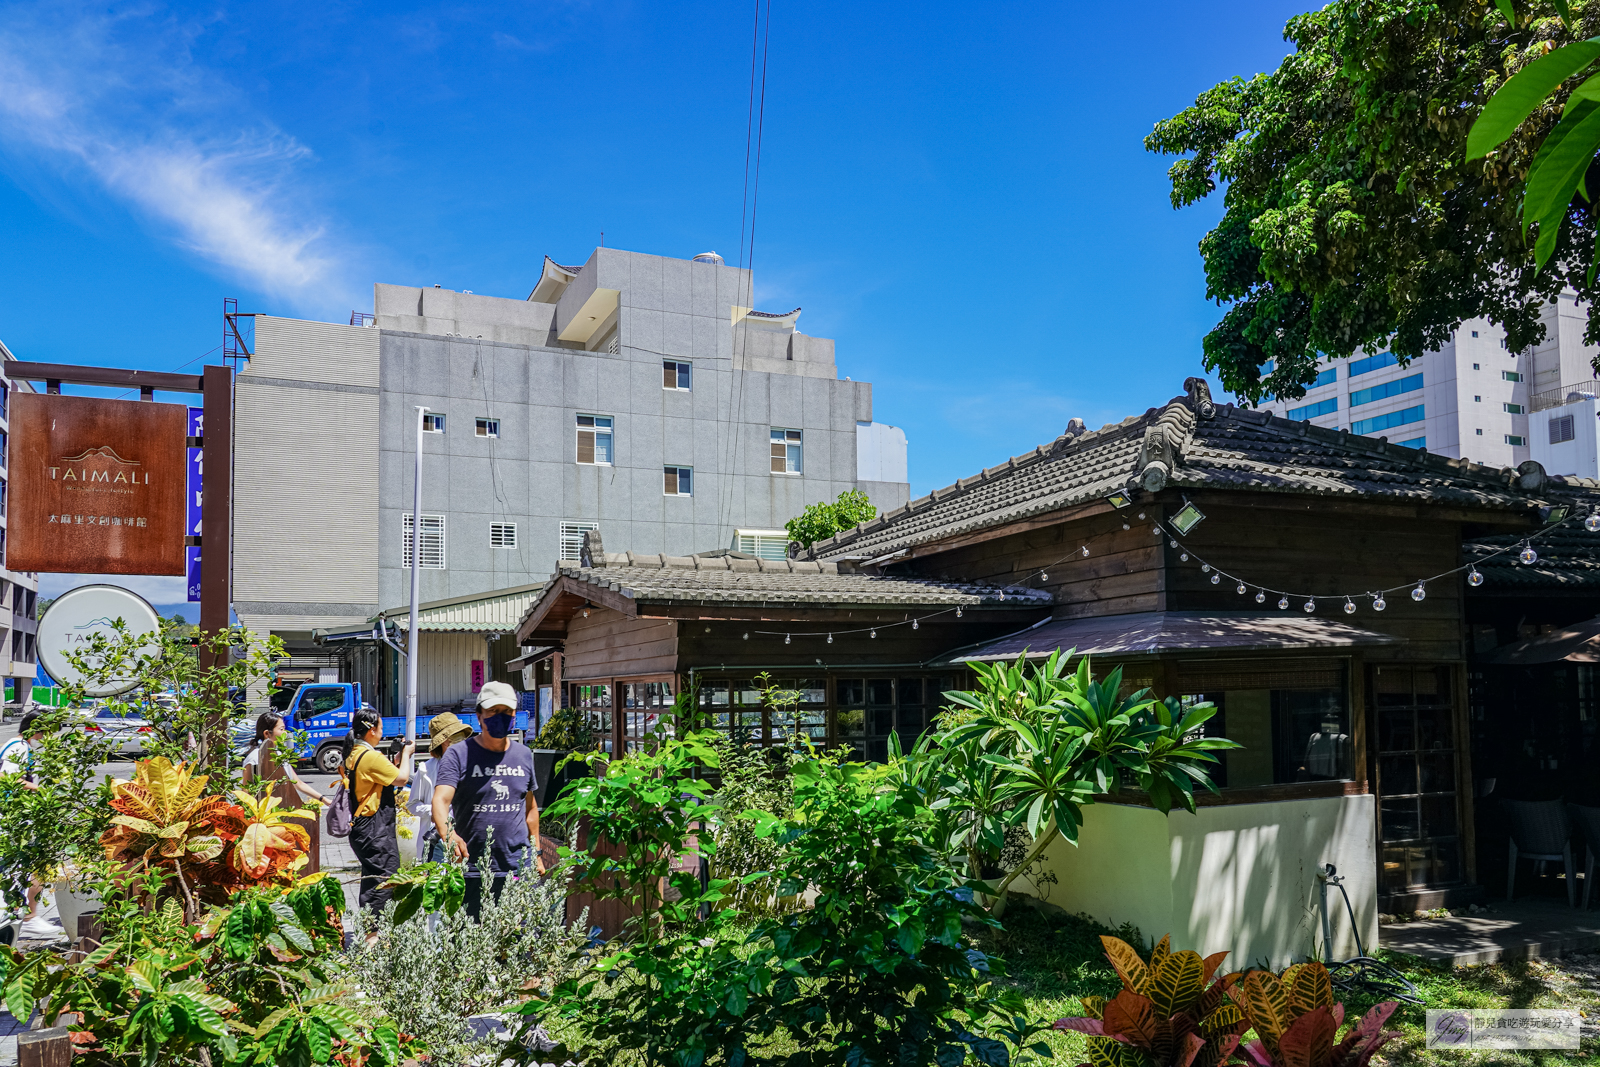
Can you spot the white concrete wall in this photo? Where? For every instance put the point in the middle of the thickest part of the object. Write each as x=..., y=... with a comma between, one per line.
x=1240, y=877
x=1579, y=456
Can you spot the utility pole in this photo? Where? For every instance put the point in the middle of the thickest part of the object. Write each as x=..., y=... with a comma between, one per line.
x=416, y=586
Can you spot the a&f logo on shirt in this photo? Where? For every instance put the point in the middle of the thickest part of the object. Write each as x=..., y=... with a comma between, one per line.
x=500, y=793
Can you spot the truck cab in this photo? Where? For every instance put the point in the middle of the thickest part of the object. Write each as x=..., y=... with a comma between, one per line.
x=324, y=710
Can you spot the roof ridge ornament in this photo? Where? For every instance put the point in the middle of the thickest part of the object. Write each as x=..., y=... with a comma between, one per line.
x=1531, y=475
x=1156, y=460
x=1199, y=391
x=593, y=553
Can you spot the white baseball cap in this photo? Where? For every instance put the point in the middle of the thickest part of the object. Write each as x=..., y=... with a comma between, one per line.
x=497, y=695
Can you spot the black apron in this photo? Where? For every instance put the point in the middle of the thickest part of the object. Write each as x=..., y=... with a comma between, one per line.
x=372, y=838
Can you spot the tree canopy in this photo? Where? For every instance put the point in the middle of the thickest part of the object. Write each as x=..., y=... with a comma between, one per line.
x=822, y=519
x=1353, y=220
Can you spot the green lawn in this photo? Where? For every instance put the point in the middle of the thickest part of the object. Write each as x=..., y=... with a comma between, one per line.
x=1055, y=960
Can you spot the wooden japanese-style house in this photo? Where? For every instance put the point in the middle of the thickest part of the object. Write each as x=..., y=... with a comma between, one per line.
x=1307, y=581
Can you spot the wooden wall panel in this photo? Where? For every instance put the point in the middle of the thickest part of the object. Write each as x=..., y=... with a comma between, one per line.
x=609, y=645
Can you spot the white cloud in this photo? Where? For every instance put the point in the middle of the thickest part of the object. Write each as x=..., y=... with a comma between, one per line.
x=120, y=102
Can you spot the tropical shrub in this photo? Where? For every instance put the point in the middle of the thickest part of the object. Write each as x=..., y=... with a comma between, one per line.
x=1033, y=746
x=1297, y=1023
x=260, y=982
x=429, y=975
x=822, y=520
x=566, y=730
x=1167, y=1015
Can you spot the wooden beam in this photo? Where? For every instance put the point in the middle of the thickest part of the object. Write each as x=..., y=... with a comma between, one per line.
x=946, y=544
x=113, y=376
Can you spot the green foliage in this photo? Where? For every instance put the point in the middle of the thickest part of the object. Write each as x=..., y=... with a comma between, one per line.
x=1166, y=1014
x=1038, y=744
x=567, y=730
x=56, y=824
x=1354, y=218
x=752, y=778
x=258, y=983
x=1297, y=1023
x=822, y=520
x=428, y=887
x=429, y=974
x=876, y=971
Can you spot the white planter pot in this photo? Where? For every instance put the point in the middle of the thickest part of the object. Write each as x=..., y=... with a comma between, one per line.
x=408, y=833
x=73, y=901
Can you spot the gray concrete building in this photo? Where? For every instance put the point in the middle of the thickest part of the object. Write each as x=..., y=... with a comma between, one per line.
x=19, y=590
x=639, y=395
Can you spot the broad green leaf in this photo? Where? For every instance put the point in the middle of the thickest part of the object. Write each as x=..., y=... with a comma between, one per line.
x=1507, y=10
x=1514, y=101
x=1535, y=203
x=19, y=992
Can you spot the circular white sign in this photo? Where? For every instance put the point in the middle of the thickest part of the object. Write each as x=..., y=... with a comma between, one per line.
x=76, y=615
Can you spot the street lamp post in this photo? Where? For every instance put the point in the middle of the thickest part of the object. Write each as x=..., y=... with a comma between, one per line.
x=416, y=585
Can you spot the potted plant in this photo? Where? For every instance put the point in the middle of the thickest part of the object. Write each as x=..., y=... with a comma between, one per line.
x=565, y=732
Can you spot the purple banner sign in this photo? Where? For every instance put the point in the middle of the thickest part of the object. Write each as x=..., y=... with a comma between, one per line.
x=191, y=553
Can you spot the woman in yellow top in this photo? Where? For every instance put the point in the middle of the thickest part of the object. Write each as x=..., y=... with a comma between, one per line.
x=371, y=779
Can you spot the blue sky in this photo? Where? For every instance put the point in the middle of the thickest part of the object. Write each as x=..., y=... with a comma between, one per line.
x=957, y=193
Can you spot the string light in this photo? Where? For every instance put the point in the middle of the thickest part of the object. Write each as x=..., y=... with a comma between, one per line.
x=1216, y=579
x=915, y=625
x=1528, y=555
x=958, y=612
x=1420, y=593
x=1174, y=544
x=1592, y=523
x=787, y=639
x=873, y=634
x=1141, y=516
x=1474, y=578
x=747, y=635
x=1205, y=568
x=1241, y=589
x=1261, y=596
x=1283, y=602
x=1043, y=577
x=1125, y=525
x=830, y=639
x=1349, y=606
x=1085, y=550
x=1184, y=556
x=1378, y=603
x=1310, y=606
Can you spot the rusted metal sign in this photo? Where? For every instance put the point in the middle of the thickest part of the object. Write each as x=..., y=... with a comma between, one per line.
x=97, y=486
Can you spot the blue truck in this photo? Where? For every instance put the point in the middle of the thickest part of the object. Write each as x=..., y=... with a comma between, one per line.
x=324, y=711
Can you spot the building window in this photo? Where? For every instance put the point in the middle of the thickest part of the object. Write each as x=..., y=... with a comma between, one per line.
x=1384, y=422
x=432, y=541
x=1415, y=442
x=487, y=428
x=432, y=422
x=502, y=535
x=2, y=496
x=1561, y=429
x=1515, y=439
x=1372, y=363
x=1474, y=333
x=5, y=401
x=675, y=374
x=1511, y=376
x=1512, y=409
x=1327, y=377
x=765, y=544
x=786, y=452
x=1311, y=411
x=572, y=538
x=1384, y=390
x=679, y=481
x=1476, y=367
x=594, y=439
x=1480, y=433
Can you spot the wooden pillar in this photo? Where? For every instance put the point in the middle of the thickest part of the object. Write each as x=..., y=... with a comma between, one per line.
x=45, y=1048
x=216, y=509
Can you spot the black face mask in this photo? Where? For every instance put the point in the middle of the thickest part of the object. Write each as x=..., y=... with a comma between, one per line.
x=498, y=725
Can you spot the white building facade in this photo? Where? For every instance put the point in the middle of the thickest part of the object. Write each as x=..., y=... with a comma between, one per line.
x=19, y=590
x=1473, y=397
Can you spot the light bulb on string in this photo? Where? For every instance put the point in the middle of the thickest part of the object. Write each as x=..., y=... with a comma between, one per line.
x=1205, y=568
x=1592, y=523
x=1241, y=589
x=1174, y=543
x=1085, y=550
x=787, y=639
x=1216, y=579
x=1310, y=605
x=1378, y=603
x=1183, y=557
x=873, y=633
x=1420, y=592
x=1044, y=577
x=958, y=612
x=1261, y=596
x=1474, y=578
x=1141, y=515
x=1528, y=555
x=1283, y=602
x=1349, y=606
x=915, y=625
x=1125, y=525
x=747, y=636
x=1002, y=594
x=1156, y=530
x=830, y=639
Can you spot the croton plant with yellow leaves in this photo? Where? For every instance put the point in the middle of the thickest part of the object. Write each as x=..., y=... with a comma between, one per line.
x=213, y=846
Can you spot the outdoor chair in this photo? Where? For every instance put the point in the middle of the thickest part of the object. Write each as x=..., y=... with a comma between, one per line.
x=1588, y=820
x=1540, y=832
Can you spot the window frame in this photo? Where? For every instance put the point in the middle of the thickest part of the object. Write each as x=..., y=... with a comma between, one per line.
x=682, y=372
x=1512, y=409
x=793, y=457
x=440, y=522
x=596, y=433
x=500, y=530
x=433, y=422
x=575, y=529
x=680, y=477
x=484, y=426
x=1567, y=424
x=1516, y=440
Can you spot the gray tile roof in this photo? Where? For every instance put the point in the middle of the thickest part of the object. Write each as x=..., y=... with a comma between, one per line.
x=734, y=578
x=1569, y=561
x=1191, y=443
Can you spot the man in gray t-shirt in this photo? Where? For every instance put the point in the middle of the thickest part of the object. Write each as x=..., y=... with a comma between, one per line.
x=488, y=782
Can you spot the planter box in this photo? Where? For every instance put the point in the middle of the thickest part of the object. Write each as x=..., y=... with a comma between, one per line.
x=71, y=903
